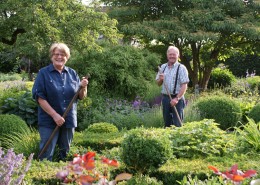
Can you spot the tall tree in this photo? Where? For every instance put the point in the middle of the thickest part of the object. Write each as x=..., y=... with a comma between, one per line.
x=29, y=26
x=204, y=30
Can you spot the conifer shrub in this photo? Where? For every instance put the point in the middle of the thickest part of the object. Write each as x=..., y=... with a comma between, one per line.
x=102, y=127
x=223, y=110
x=10, y=123
x=144, y=150
x=254, y=113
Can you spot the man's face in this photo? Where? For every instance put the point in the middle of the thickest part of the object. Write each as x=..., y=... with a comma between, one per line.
x=172, y=56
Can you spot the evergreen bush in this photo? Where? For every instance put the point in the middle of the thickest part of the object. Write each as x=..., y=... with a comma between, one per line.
x=254, y=113
x=145, y=150
x=10, y=123
x=102, y=127
x=223, y=110
x=220, y=78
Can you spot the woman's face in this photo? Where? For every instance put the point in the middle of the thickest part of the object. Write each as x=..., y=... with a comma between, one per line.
x=59, y=59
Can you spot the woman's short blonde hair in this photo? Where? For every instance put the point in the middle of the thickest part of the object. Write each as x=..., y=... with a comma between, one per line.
x=62, y=47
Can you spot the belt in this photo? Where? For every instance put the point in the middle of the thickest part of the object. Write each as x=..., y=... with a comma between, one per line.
x=172, y=95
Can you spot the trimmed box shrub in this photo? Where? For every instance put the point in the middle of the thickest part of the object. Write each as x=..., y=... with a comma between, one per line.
x=223, y=110
x=146, y=149
x=10, y=123
x=254, y=113
x=102, y=127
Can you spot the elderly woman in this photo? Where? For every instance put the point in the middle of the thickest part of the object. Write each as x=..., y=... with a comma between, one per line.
x=54, y=88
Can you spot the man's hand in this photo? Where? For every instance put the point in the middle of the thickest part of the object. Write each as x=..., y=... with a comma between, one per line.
x=174, y=101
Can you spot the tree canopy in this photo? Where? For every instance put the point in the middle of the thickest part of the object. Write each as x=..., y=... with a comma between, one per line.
x=205, y=31
x=29, y=27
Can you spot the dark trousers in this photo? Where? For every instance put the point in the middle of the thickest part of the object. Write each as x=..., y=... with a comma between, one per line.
x=62, y=138
x=169, y=115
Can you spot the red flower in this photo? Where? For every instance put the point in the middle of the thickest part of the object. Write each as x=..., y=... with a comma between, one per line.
x=110, y=162
x=234, y=174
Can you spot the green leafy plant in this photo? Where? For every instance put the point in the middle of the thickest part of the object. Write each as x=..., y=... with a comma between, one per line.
x=102, y=127
x=23, y=106
x=200, y=138
x=249, y=135
x=26, y=142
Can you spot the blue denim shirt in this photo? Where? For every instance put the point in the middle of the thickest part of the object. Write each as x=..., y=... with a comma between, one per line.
x=58, y=90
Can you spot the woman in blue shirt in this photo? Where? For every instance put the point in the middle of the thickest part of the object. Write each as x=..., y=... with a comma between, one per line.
x=54, y=88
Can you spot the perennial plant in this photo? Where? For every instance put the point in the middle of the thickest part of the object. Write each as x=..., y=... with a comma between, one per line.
x=13, y=167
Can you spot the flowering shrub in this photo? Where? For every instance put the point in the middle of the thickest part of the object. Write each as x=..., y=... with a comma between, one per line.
x=82, y=171
x=234, y=175
x=12, y=167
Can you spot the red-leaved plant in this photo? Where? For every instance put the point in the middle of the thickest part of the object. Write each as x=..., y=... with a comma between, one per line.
x=234, y=175
x=82, y=171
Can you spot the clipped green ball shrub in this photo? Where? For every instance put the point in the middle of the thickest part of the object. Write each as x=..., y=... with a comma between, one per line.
x=146, y=149
x=102, y=127
x=10, y=123
x=223, y=110
x=220, y=78
x=254, y=113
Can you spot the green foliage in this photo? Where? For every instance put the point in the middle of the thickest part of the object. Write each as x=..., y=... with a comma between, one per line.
x=23, y=106
x=254, y=82
x=208, y=30
x=141, y=180
x=200, y=139
x=125, y=71
x=241, y=87
x=64, y=21
x=121, y=113
x=249, y=136
x=25, y=143
x=42, y=172
x=238, y=64
x=246, y=107
x=102, y=127
x=98, y=141
x=146, y=149
x=10, y=124
x=14, y=86
x=223, y=110
x=254, y=113
x=10, y=77
x=191, y=112
x=220, y=78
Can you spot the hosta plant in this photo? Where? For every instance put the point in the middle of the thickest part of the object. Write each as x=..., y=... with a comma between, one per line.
x=82, y=170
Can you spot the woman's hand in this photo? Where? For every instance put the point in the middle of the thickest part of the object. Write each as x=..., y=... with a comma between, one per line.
x=59, y=120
